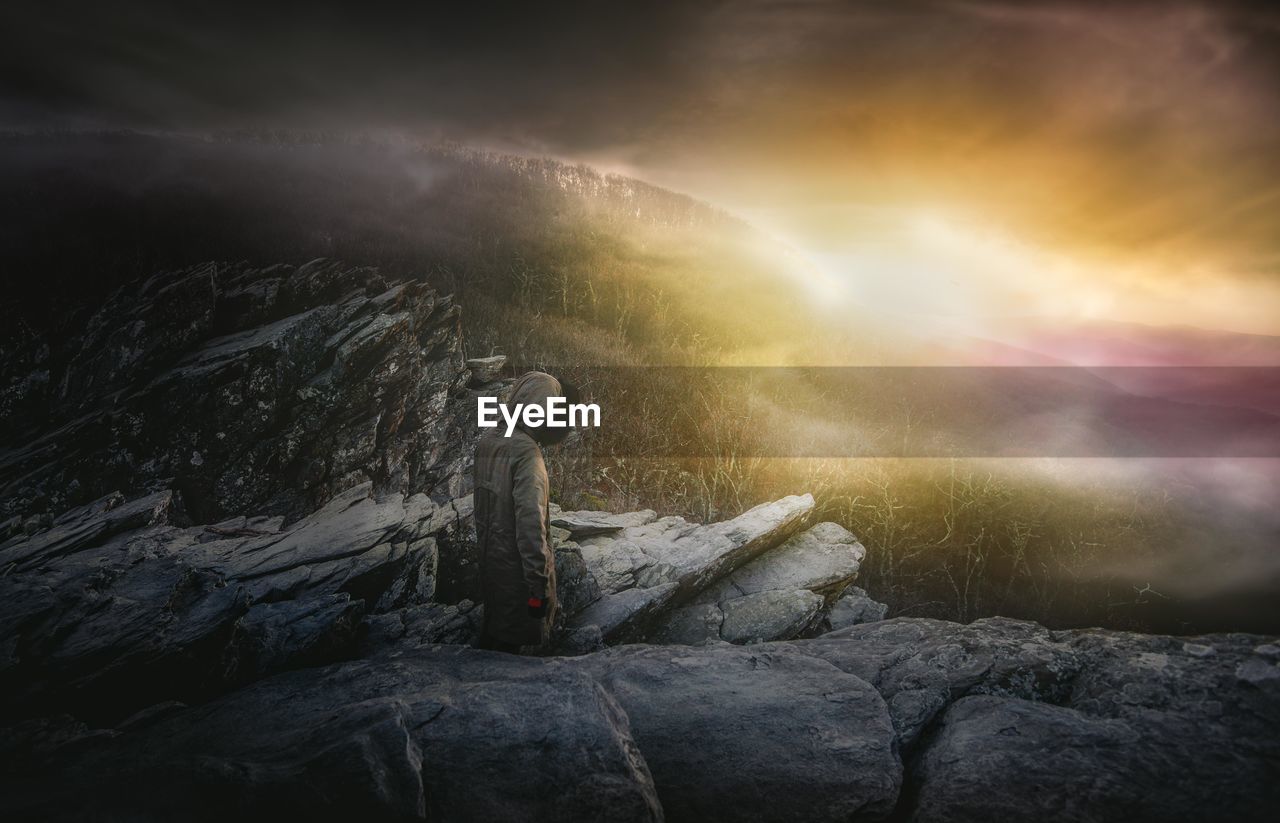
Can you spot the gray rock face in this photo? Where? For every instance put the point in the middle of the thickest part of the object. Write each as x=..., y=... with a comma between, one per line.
x=823, y=559
x=250, y=390
x=620, y=616
x=749, y=618
x=674, y=561
x=694, y=625
x=1052, y=762
x=85, y=526
x=765, y=615
x=855, y=607
x=117, y=605
x=293, y=634
x=921, y=665
x=591, y=523
x=1008, y=718
x=473, y=736
x=372, y=548
x=755, y=734
x=422, y=625
x=459, y=564
x=777, y=596
x=999, y=718
x=576, y=586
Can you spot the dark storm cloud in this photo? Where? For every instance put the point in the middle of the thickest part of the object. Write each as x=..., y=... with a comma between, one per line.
x=567, y=73
x=1122, y=126
x=574, y=76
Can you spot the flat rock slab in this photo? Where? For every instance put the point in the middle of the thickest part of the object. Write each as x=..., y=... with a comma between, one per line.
x=997, y=758
x=84, y=527
x=115, y=607
x=776, y=596
x=582, y=524
x=822, y=559
x=620, y=616
x=469, y=737
x=998, y=719
x=693, y=554
x=350, y=538
x=672, y=550
x=760, y=734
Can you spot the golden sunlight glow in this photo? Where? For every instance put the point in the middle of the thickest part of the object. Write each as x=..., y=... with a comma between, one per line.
x=951, y=272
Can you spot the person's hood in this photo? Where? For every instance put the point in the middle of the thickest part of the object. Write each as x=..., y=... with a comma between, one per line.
x=535, y=387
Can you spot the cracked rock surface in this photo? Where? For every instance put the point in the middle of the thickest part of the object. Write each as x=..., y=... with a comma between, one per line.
x=249, y=390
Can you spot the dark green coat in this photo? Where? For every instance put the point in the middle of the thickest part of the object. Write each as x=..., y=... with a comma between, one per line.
x=512, y=524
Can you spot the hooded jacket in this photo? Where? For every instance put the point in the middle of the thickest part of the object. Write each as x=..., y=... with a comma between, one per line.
x=513, y=531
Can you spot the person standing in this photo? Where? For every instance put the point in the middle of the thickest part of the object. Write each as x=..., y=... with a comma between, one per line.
x=513, y=530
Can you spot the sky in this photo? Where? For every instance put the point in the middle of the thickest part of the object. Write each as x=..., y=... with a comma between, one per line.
x=952, y=159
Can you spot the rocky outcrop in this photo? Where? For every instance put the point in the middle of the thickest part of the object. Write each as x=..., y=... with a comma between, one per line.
x=755, y=734
x=118, y=604
x=908, y=718
x=779, y=595
x=248, y=390
x=645, y=566
x=303, y=651
x=1007, y=719
x=140, y=649
x=853, y=607
x=442, y=736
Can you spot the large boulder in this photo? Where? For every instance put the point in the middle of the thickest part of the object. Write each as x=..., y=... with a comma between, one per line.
x=854, y=607
x=1007, y=718
x=921, y=665
x=667, y=562
x=766, y=615
x=762, y=734
x=823, y=559
x=472, y=736
x=779, y=595
x=1010, y=759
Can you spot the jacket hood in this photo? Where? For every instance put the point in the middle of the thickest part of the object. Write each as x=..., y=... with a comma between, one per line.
x=535, y=387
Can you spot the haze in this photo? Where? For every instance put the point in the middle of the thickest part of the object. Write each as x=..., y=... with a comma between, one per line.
x=938, y=160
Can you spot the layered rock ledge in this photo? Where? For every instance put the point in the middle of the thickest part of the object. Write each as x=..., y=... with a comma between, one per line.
x=309, y=669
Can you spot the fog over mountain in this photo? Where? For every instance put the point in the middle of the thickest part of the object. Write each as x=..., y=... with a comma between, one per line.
x=925, y=155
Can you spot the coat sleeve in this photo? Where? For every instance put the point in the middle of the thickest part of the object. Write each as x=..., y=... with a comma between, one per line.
x=529, y=488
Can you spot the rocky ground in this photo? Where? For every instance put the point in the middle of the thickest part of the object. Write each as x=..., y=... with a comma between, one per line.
x=281, y=627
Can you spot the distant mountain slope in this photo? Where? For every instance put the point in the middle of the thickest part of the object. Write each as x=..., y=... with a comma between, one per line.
x=1181, y=363
x=552, y=258
x=1112, y=343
